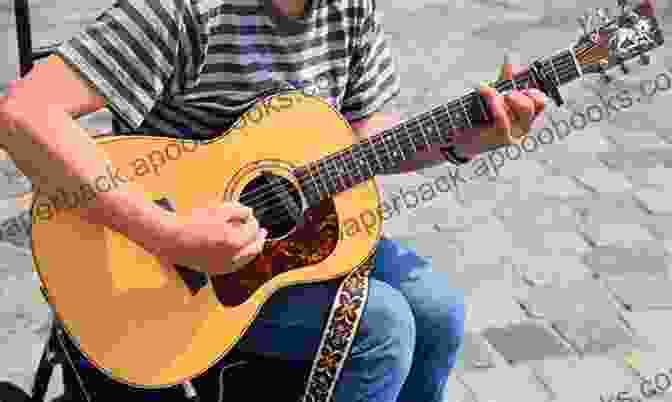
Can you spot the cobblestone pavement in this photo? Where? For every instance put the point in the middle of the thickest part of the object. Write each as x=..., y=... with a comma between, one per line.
x=564, y=253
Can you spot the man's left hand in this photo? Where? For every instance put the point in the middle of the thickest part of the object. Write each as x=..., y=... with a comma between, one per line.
x=513, y=114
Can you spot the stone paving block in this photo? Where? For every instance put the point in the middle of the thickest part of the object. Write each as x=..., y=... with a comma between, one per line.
x=483, y=197
x=455, y=391
x=586, y=142
x=505, y=383
x=634, y=139
x=652, y=327
x=21, y=353
x=612, y=260
x=583, y=312
x=586, y=297
x=583, y=379
x=656, y=200
x=476, y=353
x=510, y=167
x=491, y=303
x=656, y=176
x=17, y=229
x=547, y=243
x=526, y=341
x=567, y=163
x=648, y=361
x=553, y=186
x=642, y=158
x=23, y=306
x=548, y=270
x=596, y=335
x=641, y=291
x=442, y=214
x=484, y=244
x=608, y=208
x=537, y=214
x=12, y=181
x=626, y=235
x=603, y=180
x=660, y=226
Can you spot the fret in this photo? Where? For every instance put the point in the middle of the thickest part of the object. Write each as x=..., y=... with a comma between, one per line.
x=409, y=136
x=334, y=182
x=344, y=166
x=424, y=135
x=436, y=128
x=375, y=154
x=396, y=140
x=555, y=73
x=388, y=153
x=484, y=110
x=575, y=62
x=359, y=161
x=363, y=160
x=466, y=114
x=452, y=123
x=316, y=182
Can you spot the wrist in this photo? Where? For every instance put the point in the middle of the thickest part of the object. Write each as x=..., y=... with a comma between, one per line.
x=145, y=223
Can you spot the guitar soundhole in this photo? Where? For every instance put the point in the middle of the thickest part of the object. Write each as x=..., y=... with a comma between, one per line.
x=276, y=202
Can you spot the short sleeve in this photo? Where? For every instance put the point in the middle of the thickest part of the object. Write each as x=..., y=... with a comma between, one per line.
x=133, y=51
x=373, y=78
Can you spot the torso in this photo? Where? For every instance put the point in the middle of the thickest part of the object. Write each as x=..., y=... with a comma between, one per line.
x=250, y=49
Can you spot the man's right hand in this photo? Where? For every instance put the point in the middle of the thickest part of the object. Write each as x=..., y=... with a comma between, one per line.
x=217, y=239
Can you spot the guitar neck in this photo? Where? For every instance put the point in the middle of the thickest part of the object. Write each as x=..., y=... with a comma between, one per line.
x=380, y=153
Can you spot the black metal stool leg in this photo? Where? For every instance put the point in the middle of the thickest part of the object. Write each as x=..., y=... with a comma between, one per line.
x=46, y=367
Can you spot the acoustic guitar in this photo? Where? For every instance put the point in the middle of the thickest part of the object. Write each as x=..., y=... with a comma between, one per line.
x=153, y=326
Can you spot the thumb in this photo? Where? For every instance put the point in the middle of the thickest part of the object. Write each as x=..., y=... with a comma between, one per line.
x=506, y=69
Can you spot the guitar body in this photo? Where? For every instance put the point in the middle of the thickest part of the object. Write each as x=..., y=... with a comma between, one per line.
x=137, y=320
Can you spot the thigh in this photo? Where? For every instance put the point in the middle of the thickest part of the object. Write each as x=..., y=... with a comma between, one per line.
x=289, y=325
x=435, y=304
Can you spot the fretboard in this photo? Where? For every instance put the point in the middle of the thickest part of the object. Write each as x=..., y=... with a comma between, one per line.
x=382, y=152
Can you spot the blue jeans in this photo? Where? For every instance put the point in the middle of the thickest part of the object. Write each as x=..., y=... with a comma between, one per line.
x=407, y=341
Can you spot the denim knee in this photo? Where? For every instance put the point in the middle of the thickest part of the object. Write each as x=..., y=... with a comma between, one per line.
x=387, y=330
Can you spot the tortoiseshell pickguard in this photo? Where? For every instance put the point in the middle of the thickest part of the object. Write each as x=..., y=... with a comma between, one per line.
x=309, y=244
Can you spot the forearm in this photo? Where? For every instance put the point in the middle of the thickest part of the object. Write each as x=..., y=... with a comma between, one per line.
x=58, y=156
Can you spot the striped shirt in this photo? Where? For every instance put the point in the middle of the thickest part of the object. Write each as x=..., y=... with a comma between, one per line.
x=189, y=68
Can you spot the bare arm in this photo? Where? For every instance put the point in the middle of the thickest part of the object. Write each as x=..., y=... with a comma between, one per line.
x=38, y=130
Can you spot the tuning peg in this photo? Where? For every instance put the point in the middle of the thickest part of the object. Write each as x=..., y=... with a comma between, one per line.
x=644, y=59
x=583, y=24
x=602, y=14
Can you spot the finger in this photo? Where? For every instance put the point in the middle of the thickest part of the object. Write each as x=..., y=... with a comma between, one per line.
x=497, y=107
x=247, y=254
x=239, y=212
x=522, y=109
x=248, y=233
x=506, y=69
x=539, y=100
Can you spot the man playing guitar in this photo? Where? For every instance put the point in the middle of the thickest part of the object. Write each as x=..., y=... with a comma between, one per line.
x=163, y=65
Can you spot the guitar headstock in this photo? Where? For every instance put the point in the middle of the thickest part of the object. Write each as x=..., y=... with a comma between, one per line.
x=611, y=39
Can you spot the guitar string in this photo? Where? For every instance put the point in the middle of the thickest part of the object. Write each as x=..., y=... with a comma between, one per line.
x=525, y=79
x=414, y=123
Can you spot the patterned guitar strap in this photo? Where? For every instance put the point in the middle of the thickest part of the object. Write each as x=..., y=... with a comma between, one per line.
x=338, y=334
